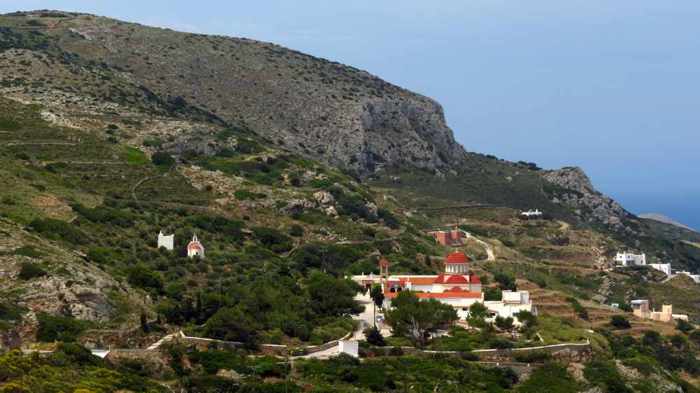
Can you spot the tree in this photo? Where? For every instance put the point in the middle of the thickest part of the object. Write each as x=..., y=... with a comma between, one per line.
x=506, y=281
x=233, y=324
x=374, y=336
x=418, y=320
x=330, y=296
x=528, y=322
x=504, y=324
x=620, y=322
x=477, y=314
x=377, y=295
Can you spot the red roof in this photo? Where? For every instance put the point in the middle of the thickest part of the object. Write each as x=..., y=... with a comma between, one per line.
x=457, y=257
x=456, y=279
x=439, y=279
x=474, y=279
x=383, y=262
x=443, y=295
x=195, y=246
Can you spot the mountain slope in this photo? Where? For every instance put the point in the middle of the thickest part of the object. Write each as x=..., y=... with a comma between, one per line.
x=322, y=109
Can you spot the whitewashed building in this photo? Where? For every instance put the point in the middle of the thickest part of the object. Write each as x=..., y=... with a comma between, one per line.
x=532, y=214
x=662, y=267
x=166, y=241
x=628, y=259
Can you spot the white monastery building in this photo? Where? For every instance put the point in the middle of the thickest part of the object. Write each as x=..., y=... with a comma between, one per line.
x=195, y=248
x=629, y=259
x=167, y=242
x=457, y=287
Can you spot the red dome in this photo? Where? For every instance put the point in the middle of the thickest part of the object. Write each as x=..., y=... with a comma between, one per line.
x=456, y=280
x=457, y=257
x=454, y=289
x=383, y=262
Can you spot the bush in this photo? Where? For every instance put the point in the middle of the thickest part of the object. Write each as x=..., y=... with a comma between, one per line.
x=59, y=328
x=58, y=230
x=684, y=326
x=505, y=281
x=162, y=159
x=605, y=375
x=620, y=322
x=30, y=270
x=296, y=230
x=142, y=277
x=245, y=195
x=273, y=239
x=552, y=378
x=374, y=336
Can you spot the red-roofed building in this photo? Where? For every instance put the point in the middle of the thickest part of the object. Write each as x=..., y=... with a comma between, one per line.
x=456, y=286
x=195, y=248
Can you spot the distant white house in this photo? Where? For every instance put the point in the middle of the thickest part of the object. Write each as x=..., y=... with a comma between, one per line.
x=351, y=348
x=195, y=248
x=166, y=241
x=694, y=277
x=511, y=303
x=532, y=214
x=629, y=259
x=662, y=267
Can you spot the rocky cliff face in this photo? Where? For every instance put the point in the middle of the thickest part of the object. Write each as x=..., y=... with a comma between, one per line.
x=322, y=109
x=574, y=189
x=70, y=286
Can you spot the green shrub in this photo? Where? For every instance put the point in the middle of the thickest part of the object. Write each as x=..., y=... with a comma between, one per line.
x=162, y=159
x=552, y=378
x=605, y=375
x=245, y=195
x=296, y=230
x=58, y=230
x=30, y=270
x=684, y=326
x=59, y=328
x=273, y=239
x=142, y=277
x=620, y=322
x=29, y=251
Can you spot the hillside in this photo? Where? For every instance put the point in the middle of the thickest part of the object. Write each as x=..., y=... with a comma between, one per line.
x=294, y=172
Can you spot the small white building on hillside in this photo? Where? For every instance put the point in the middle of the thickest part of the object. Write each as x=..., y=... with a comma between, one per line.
x=166, y=241
x=628, y=259
x=662, y=267
x=532, y=214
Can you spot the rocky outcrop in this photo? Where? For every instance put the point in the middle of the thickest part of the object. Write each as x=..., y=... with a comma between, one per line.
x=575, y=190
x=70, y=286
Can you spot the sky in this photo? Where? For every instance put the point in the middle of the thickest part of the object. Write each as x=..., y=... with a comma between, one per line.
x=610, y=86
